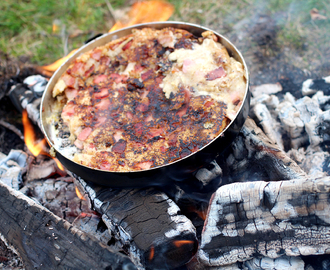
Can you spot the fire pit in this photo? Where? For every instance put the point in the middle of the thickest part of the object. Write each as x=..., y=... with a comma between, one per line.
x=263, y=204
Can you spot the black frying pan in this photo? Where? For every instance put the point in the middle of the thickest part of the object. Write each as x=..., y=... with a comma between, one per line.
x=178, y=170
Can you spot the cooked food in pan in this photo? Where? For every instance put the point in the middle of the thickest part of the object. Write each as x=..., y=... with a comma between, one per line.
x=146, y=100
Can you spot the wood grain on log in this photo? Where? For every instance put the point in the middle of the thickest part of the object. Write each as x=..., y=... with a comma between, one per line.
x=267, y=218
x=45, y=241
x=148, y=223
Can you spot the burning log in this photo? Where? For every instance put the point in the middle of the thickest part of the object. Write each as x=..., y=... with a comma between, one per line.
x=28, y=96
x=269, y=219
x=45, y=241
x=147, y=223
x=254, y=156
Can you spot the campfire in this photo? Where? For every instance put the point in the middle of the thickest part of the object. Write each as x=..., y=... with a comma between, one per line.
x=262, y=204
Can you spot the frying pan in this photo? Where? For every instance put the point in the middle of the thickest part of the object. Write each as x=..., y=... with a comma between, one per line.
x=178, y=170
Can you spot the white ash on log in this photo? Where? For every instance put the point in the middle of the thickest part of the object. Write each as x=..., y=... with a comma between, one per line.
x=147, y=223
x=12, y=168
x=299, y=126
x=253, y=156
x=267, y=218
x=45, y=241
x=292, y=263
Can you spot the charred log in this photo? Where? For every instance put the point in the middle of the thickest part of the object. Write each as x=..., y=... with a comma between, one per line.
x=147, y=223
x=44, y=241
x=268, y=219
x=254, y=156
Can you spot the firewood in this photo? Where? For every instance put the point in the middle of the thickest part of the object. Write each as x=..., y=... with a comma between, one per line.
x=253, y=156
x=147, y=223
x=45, y=241
x=268, y=219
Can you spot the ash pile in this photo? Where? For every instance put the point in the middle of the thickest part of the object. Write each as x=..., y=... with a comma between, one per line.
x=263, y=204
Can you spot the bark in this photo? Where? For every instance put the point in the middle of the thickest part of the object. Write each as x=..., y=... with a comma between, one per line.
x=267, y=218
x=45, y=241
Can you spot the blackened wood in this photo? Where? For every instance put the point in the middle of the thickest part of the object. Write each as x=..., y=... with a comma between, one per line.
x=147, y=223
x=252, y=157
x=267, y=218
x=45, y=241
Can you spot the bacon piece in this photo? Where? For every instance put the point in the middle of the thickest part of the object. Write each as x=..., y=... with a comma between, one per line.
x=78, y=144
x=166, y=39
x=89, y=71
x=182, y=111
x=187, y=64
x=117, y=135
x=146, y=75
x=68, y=110
x=153, y=132
x=129, y=115
x=119, y=147
x=83, y=135
x=71, y=93
x=100, y=78
x=172, y=139
x=127, y=45
x=105, y=60
x=69, y=80
x=101, y=93
x=145, y=165
x=104, y=104
x=143, y=105
x=105, y=165
x=78, y=68
x=149, y=118
x=138, y=127
x=118, y=78
x=208, y=103
x=99, y=121
x=215, y=74
x=138, y=68
x=96, y=54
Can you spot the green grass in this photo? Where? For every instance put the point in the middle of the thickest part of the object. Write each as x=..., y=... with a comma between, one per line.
x=26, y=25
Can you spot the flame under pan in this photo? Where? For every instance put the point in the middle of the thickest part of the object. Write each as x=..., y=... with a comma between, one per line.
x=178, y=170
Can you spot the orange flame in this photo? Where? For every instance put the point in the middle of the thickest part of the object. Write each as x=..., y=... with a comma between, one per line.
x=59, y=164
x=29, y=137
x=58, y=63
x=80, y=196
x=39, y=148
x=180, y=243
x=146, y=11
x=141, y=12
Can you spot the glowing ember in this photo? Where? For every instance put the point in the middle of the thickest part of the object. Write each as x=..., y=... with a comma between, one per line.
x=152, y=253
x=180, y=243
x=146, y=11
x=80, y=196
x=29, y=137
